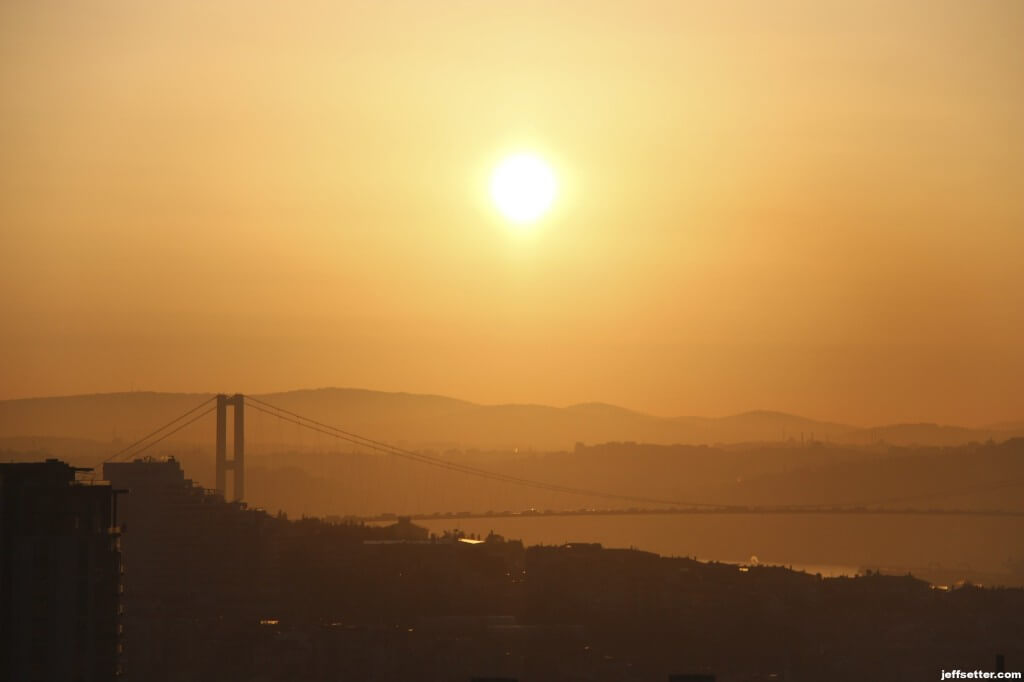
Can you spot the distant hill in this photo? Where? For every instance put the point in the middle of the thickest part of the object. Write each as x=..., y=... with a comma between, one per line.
x=416, y=420
x=929, y=434
x=1007, y=426
x=437, y=422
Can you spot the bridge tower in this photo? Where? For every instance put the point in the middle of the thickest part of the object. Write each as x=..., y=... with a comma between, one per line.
x=237, y=464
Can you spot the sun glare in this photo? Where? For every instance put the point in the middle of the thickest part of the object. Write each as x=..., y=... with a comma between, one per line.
x=523, y=187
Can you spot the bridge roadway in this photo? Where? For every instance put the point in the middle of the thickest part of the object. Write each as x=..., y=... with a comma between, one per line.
x=756, y=510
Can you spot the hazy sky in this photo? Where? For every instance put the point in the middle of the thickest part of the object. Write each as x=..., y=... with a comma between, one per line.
x=815, y=207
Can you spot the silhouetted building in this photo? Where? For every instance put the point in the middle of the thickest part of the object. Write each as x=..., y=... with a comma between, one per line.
x=404, y=530
x=60, y=575
x=217, y=591
x=193, y=563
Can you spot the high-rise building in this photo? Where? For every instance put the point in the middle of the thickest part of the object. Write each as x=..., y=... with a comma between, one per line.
x=60, y=575
x=194, y=563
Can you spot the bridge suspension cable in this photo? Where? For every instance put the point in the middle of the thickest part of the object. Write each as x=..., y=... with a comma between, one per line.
x=379, y=446
x=141, y=445
x=181, y=421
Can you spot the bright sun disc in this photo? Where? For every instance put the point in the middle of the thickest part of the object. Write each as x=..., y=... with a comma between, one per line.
x=523, y=187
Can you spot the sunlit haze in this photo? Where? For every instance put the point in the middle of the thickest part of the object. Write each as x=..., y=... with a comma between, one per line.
x=812, y=207
x=511, y=340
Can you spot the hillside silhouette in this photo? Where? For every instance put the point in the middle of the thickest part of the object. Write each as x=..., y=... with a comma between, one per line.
x=440, y=422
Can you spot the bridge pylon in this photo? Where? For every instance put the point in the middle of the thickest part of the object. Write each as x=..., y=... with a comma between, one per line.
x=237, y=463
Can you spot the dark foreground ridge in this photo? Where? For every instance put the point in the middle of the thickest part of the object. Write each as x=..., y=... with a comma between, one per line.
x=218, y=591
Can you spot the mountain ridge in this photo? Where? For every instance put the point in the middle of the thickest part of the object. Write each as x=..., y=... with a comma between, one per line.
x=436, y=421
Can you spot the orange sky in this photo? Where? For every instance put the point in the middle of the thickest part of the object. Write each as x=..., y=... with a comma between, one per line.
x=808, y=206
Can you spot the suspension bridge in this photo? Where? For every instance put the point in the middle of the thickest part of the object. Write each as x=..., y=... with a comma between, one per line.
x=639, y=505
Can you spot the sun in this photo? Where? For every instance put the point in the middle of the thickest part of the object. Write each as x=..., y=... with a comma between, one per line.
x=523, y=187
